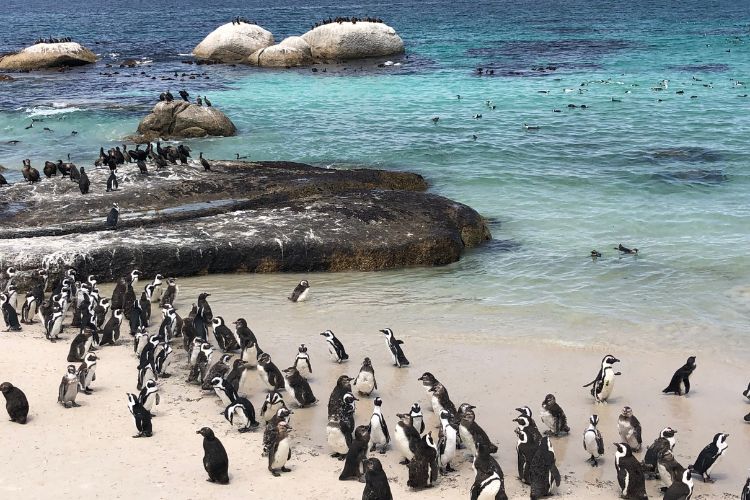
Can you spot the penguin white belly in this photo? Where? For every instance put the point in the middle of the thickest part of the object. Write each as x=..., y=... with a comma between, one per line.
x=450, y=446
x=156, y=294
x=239, y=419
x=263, y=374
x=282, y=454
x=148, y=373
x=376, y=432
x=149, y=403
x=591, y=445
x=607, y=385
x=142, y=340
x=56, y=327
x=490, y=488
x=551, y=482
x=436, y=406
x=664, y=476
x=336, y=439
x=402, y=443
x=250, y=356
x=165, y=365
x=302, y=368
x=467, y=439
x=365, y=383
x=241, y=384
x=548, y=419
x=627, y=484
x=223, y=396
x=304, y=295
x=89, y=376
x=271, y=410
x=332, y=353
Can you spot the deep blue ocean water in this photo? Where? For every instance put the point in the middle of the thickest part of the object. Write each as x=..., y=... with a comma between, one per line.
x=663, y=171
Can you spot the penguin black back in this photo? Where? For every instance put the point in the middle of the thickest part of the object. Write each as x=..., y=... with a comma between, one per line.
x=680, y=383
x=15, y=403
x=376, y=482
x=357, y=454
x=215, y=459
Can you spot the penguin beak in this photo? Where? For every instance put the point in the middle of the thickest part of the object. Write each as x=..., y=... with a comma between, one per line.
x=356, y=399
x=616, y=360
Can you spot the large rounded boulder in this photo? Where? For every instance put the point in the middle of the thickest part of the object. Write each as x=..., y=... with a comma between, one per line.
x=346, y=40
x=233, y=43
x=181, y=119
x=48, y=55
x=292, y=51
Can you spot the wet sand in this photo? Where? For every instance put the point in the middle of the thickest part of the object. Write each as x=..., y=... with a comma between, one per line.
x=89, y=450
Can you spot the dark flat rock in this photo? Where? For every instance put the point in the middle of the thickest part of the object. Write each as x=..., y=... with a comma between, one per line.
x=242, y=216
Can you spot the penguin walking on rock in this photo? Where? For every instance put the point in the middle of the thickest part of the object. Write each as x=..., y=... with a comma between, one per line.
x=544, y=476
x=593, y=442
x=300, y=292
x=302, y=362
x=680, y=383
x=215, y=459
x=394, y=345
x=16, y=403
x=629, y=473
x=554, y=417
x=710, y=456
x=602, y=385
x=682, y=489
x=68, y=390
x=364, y=382
x=335, y=347
x=489, y=481
x=379, y=435
x=356, y=455
x=10, y=316
x=630, y=429
x=299, y=387
x=376, y=482
x=141, y=416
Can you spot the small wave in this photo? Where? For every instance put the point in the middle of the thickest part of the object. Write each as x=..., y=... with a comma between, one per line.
x=114, y=54
x=56, y=109
x=145, y=61
x=185, y=55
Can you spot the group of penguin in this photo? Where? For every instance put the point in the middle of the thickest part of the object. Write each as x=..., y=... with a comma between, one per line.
x=99, y=319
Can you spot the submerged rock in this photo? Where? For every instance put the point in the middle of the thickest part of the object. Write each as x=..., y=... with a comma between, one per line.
x=48, y=55
x=253, y=217
x=233, y=43
x=181, y=119
x=346, y=40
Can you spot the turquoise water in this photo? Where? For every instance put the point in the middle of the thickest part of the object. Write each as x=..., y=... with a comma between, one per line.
x=667, y=173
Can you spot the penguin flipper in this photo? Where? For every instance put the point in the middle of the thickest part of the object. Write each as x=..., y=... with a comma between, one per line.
x=686, y=382
x=591, y=383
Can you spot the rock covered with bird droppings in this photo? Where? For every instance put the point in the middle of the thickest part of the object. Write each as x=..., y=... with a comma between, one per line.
x=181, y=119
x=233, y=43
x=346, y=40
x=48, y=55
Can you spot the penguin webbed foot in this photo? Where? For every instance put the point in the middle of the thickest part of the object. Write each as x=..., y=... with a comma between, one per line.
x=275, y=473
x=284, y=469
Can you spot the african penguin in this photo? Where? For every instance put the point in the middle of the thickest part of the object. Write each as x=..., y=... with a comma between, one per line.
x=279, y=449
x=670, y=470
x=241, y=414
x=87, y=373
x=141, y=416
x=629, y=473
x=530, y=425
x=602, y=385
x=215, y=459
x=302, y=362
x=681, y=489
x=224, y=390
x=340, y=427
x=680, y=383
x=282, y=414
x=28, y=310
x=379, y=435
x=593, y=442
x=335, y=347
x=630, y=429
x=447, y=442
x=709, y=457
x=300, y=292
x=224, y=336
x=68, y=390
x=376, y=482
x=526, y=448
x=665, y=441
x=364, y=382
x=271, y=405
x=489, y=481
x=423, y=467
x=554, y=417
x=356, y=454
x=270, y=374
x=405, y=437
x=169, y=296
x=343, y=386
x=16, y=403
x=394, y=345
x=545, y=477
x=149, y=395
x=299, y=387
x=472, y=434
x=417, y=419
x=9, y=314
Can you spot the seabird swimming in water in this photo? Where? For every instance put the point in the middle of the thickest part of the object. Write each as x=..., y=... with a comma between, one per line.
x=627, y=250
x=435, y=119
x=595, y=254
x=531, y=127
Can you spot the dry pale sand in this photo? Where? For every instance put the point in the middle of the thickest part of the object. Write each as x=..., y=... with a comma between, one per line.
x=89, y=451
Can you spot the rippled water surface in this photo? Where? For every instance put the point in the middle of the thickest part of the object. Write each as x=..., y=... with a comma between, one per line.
x=666, y=171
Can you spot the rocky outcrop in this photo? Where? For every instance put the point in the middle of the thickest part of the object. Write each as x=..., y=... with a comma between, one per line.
x=252, y=217
x=48, y=55
x=181, y=119
x=292, y=51
x=233, y=43
x=343, y=41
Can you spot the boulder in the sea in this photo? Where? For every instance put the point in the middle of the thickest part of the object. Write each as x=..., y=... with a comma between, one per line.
x=347, y=40
x=292, y=51
x=48, y=55
x=182, y=119
x=233, y=43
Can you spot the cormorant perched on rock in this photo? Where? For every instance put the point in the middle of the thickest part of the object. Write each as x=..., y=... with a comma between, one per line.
x=30, y=173
x=204, y=162
x=199, y=101
x=169, y=96
x=185, y=96
x=208, y=103
x=83, y=182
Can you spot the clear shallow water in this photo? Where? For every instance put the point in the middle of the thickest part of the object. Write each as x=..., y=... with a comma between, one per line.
x=671, y=178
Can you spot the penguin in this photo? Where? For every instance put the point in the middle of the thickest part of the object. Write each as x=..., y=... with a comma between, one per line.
x=376, y=482
x=472, y=434
x=163, y=360
x=236, y=375
x=280, y=449
x=489, y=481
x=447, y=442
x=629, y=473
x=379, y=435
x=602, y=385
x=282, y=414
x=11, y=293
x=746, y=393
x=531, y=426
x=113, y=216
x=394, y=345
x=365, y=381
x=300, y=292
x=149, y=395
x=144, y=307
x=709, y=457
x=66, y=394
x=100, y=312
x=356, y=455
x=224, y=336
x=141, y=416
x=245, y=335
x=405, y=437
x=670, y=470
x=682, y=489
x=593, y=442
x=241, y=413
x=124, y=284
x=417, y=419
x=87, y=373
x=200, y=369
x=335, y=347
x=665, y=441
x=630, y=429
x=79, y=347
x=170, y=294
x=343, y=386
x=302, y=362
x=746, y=490
x=270, y=374
x=299, y=387
x=219, y=369
x=140, y=342
x=215, y=459
x=680, y=383
x=439, y=398
x=29, y=309
x=83, y=182
x=224, y=390
x=112, y=184
x=526, y=448
x=340, y=427
x=53, y=324
x=554, y=417
x=423, y=468
x=9, y=315
x=626, y=250
x=271, y=405
x=16, y=403
x=544, y=476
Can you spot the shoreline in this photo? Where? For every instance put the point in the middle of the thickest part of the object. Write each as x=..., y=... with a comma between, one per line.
x=503, y=376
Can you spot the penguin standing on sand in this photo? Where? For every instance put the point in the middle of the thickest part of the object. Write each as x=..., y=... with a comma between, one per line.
x=16, y=403
x=680, y=383
x=554, y=417
x=87, y=372
x=300, y=292
x=472, y=434
x=489, y=481
x=149, y=395
x=709, y=456
x=593, y=442
x=224, y=390
x=9, y=315
x=423, y=468
x=224, y=336
x=335, y=347
x=29, y=309
x=530, y=426
x=545, y=477
x=417, y=418
x=379, y=435
x=302, y=362
x=141, y=416
x=343, y=386
x=447, y=442
x=629, y=473
x=665, y=441
x=376, y=482
x=79, y=347
x=241, y=414
x=269, y=373
x=630, y=429
x=68, y=390
x=602, y=385
x=394, y=345
x=279, y=449
x=356, y=455
x=340, y=427
x=365, y=381
x=110, y=334
x=406, y=437
x=245, y=334
x=526, y=448
x=271, y=405
x=236, y=374
x=170, y=294
x=670, y=470
x=299, y=387
x=218, y=369
x=215, y=459
x=282, y=414
x=53, y=324
x=682, y=489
